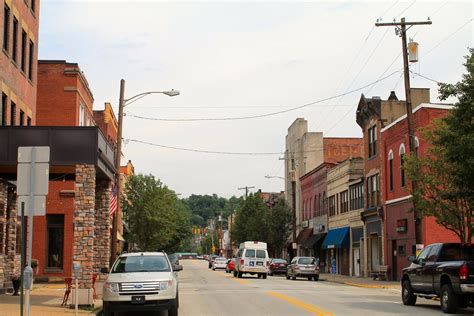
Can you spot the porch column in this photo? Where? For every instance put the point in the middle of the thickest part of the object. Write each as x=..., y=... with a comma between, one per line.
x=84, y=221
x=3, y=230
x=102, y=226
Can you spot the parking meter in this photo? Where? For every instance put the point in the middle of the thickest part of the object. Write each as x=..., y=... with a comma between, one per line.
x=76, y=268
x=28, y=278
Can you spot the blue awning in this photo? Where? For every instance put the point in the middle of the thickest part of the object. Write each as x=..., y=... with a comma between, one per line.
x=337, y=238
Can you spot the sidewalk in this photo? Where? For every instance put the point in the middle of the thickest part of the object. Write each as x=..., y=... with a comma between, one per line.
x=359, y=282
x=46, y=300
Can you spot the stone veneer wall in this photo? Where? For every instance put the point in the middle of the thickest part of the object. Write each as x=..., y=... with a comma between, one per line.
x=102, y=226
x=84, y=221
x=3, y=219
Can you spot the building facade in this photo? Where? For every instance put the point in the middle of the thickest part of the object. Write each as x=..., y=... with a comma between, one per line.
x=345, y=205
x=400, y=221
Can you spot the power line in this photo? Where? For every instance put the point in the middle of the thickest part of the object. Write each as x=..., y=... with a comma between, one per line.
x=432, y=15
x=261, y=115
x=406, y=9
x=448, y=37
x=422, y=76
x=316, y=149
x=198, y=107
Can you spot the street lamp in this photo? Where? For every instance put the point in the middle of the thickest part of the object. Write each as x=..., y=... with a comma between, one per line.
x=272, y=177
x=122, y=103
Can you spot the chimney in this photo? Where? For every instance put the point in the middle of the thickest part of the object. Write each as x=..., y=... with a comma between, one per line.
x=392, y=96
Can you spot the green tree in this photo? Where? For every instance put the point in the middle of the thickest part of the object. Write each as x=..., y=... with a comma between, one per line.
x=445, y=175
x=279, y=230
x=251, y=220
x=157, y=219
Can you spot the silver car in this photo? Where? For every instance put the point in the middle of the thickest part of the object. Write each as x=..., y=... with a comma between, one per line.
x=306, y=267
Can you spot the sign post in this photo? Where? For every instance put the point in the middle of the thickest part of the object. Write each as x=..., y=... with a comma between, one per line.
x=32, y=188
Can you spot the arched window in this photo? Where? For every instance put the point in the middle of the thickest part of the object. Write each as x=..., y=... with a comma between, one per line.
x=401, y=152
x=417, y=145
x=390, y=169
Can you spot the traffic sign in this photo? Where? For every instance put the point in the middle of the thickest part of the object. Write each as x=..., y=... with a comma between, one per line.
x=41, y=178
x=41, y=154
x=39, y=204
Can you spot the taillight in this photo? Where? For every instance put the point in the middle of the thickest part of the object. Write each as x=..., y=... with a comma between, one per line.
x=242, y=262
x=463, y=272
x=268, y=263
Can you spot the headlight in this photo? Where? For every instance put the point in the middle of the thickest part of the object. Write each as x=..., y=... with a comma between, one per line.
x=112, y=286
x=166, y=284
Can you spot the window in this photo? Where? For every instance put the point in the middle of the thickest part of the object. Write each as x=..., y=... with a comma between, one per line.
x=332, y=205
x=261, y=254
x=54, y=241
x=87, y=120
x=356, y=196
x=401, y=152
x=28, y=121
x=372, y=141
x=250, y=253
x=3, y=110
x=6, y=27
x=23, y=51
x=131, y=264
x=316, y=210
x=22, y=118
x=30, y=60
x=344, y=202
x=390, y=169
x=81, y=115
x=417, y=145
x=373, y=191
x=12, y=114
x=15, y=40
x=33, y=5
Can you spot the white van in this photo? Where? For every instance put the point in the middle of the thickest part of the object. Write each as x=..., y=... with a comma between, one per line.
x=252, y=258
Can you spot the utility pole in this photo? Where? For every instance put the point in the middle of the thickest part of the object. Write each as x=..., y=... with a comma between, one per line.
x=246, y=188
x=401, y=30
x=117, y=174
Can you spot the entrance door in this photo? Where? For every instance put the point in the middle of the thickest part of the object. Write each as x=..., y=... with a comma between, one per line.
x=374, y=253
x=356, y=258
x=394, y=260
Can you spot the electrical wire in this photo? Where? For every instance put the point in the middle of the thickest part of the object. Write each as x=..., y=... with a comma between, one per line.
x=422, y=76
x=198, y=107
x=448, y=37
x=406, y=9
x=261, y=115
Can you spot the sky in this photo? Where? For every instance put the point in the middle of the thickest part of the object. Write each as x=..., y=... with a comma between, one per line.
x=244, y=58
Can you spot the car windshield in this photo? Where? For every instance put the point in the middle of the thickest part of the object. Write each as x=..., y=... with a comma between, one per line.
x=307, y=261
x=130, y=264
x=261, y=254
x=250, y=253
x=279, y=261
x=457, y=252
x=221, y=259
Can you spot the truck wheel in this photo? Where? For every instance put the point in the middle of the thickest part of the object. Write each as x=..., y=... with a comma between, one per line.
x=239, y=275
x=449, y=300
x=408, y=297
x=287, y=276
x=464, y=301
x=316, y=277
x=264, y=275
x=235, y=273
x=173, y=311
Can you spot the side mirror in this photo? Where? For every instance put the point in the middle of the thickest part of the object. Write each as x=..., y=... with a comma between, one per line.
x=104, y=270
x=413, y=259
x=177, y=267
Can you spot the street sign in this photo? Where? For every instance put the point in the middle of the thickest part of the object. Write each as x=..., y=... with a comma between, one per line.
x=41, y=178
x=39, y=205
x=41, y=154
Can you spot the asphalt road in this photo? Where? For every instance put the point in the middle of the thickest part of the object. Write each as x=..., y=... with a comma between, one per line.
x=206, y=292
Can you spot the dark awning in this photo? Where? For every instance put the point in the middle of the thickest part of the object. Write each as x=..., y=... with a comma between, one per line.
x=311, y=241
x=303, y=235
x=337, y=238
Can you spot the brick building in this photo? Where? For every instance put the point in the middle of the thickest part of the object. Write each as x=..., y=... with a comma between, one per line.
x=19, y=26
x=399, y=219
x=372, y=115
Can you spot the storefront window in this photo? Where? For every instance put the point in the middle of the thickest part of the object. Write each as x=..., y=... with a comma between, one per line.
x=55, y=241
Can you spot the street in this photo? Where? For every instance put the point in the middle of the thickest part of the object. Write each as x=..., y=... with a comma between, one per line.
x=206, y=292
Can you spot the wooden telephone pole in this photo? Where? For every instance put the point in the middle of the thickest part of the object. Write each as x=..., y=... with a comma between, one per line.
x=401, y=30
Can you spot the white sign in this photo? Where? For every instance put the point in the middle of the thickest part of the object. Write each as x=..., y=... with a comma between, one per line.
x=39, y=205
x=294, y=245
x=41, y=154
x=41, y=181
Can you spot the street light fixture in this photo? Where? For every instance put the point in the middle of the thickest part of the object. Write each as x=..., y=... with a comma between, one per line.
x=122, y=103
x=271, y=177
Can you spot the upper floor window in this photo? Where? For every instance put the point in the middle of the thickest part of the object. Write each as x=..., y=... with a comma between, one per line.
x=6, y=27
x=417, y=145
x=22, y=118
x=12, y=113
x=23, y=51
x=401, y=152
x=30, y=60
x=373, y=191
x=15, y=40
x=356, y=196
x=344, y=202
x=33, y=5
x=332, y=205
x=390, y=169
x=372, y=141
x=28, y=121
x=3, y=110
x=81, y=114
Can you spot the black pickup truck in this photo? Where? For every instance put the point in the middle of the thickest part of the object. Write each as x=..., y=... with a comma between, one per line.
x=441, y=270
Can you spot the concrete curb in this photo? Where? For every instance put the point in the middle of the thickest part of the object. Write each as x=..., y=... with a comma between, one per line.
x=367, y=286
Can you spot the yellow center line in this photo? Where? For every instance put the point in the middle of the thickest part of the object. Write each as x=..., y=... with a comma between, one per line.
x=308, y=307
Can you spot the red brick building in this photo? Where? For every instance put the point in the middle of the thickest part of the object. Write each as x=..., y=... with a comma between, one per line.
x=19, y=26
x=399, y=219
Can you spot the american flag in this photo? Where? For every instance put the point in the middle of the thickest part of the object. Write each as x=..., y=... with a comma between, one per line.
x=113, y=201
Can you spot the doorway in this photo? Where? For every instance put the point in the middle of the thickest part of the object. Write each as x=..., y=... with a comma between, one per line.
x=356, y=261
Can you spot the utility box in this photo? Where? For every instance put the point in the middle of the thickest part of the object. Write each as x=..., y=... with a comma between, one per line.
x=413, y=52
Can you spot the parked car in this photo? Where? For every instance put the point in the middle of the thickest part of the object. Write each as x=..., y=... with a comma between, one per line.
x=219, y=263
x=441, y=270
x=230, y=266
x=211, y=260
x=307, y=267
x=144, y=281
x=277, y=266
x=252, y=258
